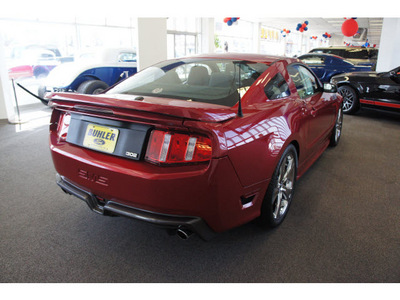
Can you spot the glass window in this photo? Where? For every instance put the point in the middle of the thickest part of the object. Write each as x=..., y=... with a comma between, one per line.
x=180, y=45
x=204, y=80
x=127, y=57
x=313, y=60
x=277, y=88
x=305, y=82
x=184, y=36
x=235, y=38
x=356, y=53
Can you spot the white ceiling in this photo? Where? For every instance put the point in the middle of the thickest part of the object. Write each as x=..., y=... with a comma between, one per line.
x=318, y=26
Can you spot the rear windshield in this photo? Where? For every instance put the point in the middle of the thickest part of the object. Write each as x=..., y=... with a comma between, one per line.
x=204, y=80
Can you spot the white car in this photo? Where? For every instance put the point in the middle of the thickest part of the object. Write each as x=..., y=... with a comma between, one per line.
x=91, y=72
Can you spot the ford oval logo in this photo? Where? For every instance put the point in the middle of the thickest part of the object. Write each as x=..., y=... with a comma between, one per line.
x=99, y=142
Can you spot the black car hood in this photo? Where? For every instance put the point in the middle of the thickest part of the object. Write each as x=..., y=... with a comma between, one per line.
x=353, y=75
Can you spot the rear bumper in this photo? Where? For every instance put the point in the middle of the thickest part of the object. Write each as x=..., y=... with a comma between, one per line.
x=173, y=222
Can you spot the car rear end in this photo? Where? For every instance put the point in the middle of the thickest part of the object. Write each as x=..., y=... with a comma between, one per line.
x=169, y=169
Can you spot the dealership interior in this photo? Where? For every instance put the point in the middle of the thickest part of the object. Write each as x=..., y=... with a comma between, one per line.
x=343, y=225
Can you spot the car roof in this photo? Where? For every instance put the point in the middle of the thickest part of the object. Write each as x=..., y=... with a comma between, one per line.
x=259, y=58
x=344, y=48
x=322, y=54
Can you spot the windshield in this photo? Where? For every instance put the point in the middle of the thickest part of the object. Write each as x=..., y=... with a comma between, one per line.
x=217, y=81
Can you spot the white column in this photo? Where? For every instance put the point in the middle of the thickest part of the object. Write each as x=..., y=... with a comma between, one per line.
x=388, y=57
x=6, y=104
x=207, y=35
x=151, y=41
x=256, y=37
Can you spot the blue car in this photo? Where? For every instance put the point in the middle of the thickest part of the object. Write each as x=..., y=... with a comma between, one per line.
x=327, y=65
x=91, y=73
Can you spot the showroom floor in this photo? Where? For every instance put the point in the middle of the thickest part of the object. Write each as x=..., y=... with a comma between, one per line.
x=343, y=225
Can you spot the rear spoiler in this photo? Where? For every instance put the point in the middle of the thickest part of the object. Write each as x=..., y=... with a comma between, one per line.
x=189, y=110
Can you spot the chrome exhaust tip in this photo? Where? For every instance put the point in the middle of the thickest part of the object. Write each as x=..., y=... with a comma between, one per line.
x=183, y=233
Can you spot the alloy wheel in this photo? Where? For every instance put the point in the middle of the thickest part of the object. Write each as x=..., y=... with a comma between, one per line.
x=338, y=125
x=283, y=191
x=348, y=99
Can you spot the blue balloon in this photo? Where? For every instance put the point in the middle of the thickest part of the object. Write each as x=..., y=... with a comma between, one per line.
x=305, y=28
x=229, y=23
x=306, y=22
x=234, y=19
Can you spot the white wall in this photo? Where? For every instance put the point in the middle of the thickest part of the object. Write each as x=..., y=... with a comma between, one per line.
x=388, y=57
x=6, y=106
x=151, y=41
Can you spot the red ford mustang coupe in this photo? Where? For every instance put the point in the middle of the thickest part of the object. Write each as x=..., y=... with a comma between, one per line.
x=200, y=144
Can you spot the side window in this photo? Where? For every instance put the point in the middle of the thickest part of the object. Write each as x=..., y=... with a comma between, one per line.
x=127, y=57
x=304, y=80
x=313, y=60
x=277, y=88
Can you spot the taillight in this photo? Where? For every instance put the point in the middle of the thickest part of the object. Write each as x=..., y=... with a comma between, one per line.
x=63, y=125
x=172, y=148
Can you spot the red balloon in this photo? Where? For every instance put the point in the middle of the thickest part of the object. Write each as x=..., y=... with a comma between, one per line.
x=301, y=29
x=227, y=19
x=349, y=27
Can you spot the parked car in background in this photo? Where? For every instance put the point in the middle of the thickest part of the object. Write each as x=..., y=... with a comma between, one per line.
x=327, y=65
x=92, y=72
x=378, y=90
x=200, y=144
x=356, y=55
x=33, y=62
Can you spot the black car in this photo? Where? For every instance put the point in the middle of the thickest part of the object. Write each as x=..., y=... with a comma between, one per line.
x=356, y=55
x=379, y=90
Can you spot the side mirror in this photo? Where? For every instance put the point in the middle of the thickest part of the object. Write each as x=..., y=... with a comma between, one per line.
x=330, y=88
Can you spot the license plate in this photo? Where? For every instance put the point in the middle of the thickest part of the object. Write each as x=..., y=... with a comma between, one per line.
x=101, y=138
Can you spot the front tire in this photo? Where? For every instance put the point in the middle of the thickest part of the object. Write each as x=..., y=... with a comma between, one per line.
x=92, y=87
x=337, y=129
x=280, y=191
x=351, y=103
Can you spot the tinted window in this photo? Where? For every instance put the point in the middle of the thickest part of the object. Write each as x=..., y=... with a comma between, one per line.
x=357, y=53
x=338, y=52
x=216, y=81
x=277, y=88
x=304, y=80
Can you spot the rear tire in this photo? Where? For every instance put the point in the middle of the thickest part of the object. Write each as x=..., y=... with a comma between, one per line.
x=280, y=191
x=351, y=103
x=92, y=87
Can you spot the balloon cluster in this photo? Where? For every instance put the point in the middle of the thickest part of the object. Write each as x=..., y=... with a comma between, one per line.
x=285, y=32
x=313, y=37
x=302, y=27
x=367, y=45
x=231, y=21
x=326, y=35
